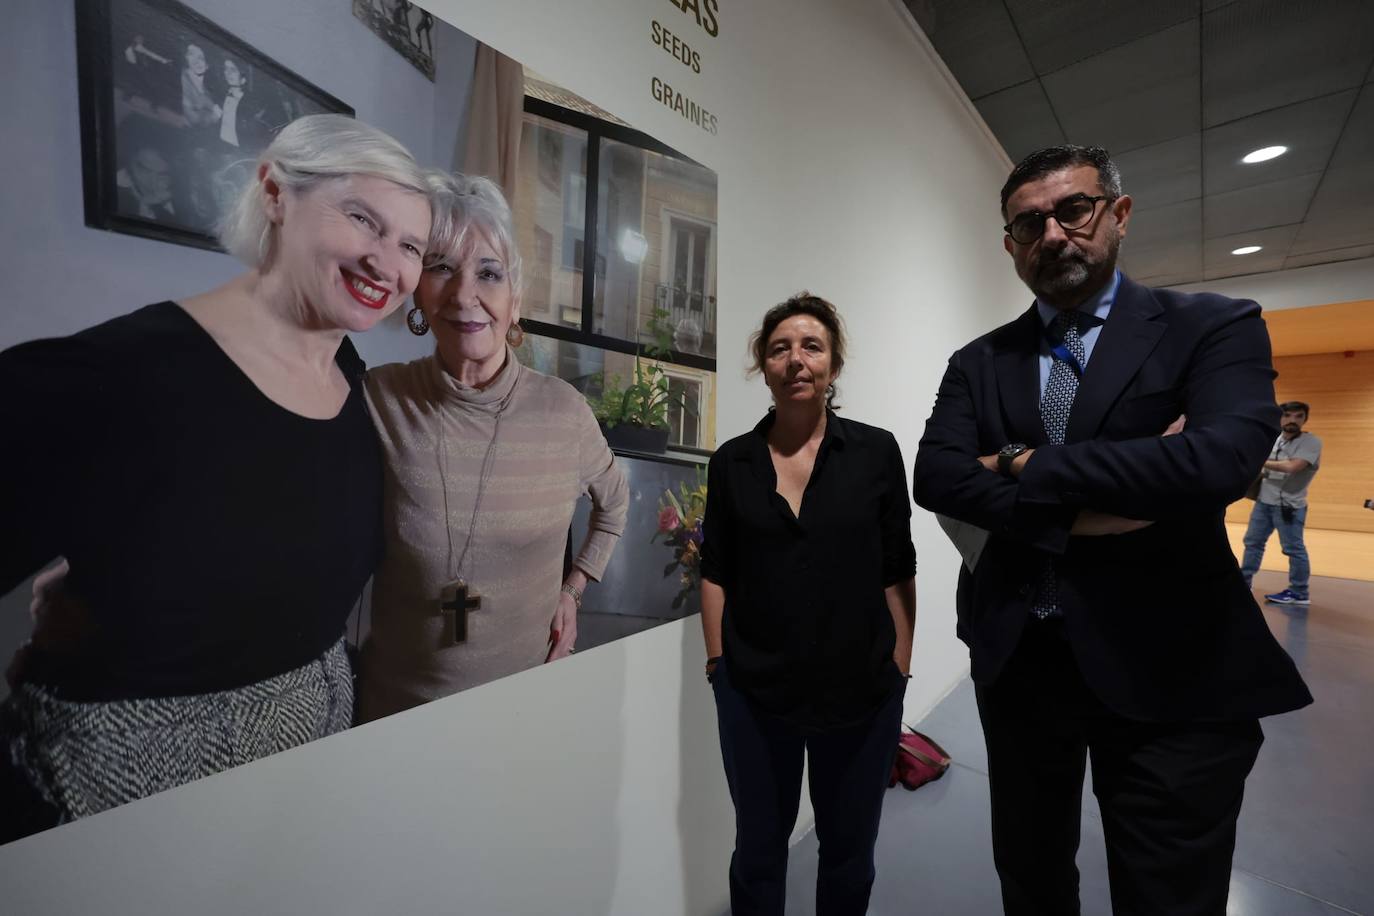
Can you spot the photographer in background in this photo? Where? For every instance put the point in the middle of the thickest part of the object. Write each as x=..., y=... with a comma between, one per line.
x=1282, y=504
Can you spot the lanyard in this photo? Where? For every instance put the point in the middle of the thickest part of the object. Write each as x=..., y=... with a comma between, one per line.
x=1061, y=353
x=1087, y=320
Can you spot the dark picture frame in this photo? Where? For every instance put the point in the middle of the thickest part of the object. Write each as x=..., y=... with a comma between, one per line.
x=174, y=112
x=404, y=26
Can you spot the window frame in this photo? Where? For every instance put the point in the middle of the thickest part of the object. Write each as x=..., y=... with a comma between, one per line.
x=597, y=129
x=688, y=380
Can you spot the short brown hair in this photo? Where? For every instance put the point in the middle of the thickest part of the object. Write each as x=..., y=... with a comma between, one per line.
x=803, y=303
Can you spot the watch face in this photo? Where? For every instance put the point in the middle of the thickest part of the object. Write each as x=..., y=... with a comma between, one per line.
x=1011, y=451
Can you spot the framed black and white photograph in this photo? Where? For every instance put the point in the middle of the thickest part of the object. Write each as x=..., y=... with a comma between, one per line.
x=404, y=26
x=174, y=112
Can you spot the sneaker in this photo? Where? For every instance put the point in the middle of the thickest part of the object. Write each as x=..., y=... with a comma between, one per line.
x=1287, y=596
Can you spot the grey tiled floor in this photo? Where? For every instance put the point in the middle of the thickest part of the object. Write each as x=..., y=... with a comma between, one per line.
x=1306, y=838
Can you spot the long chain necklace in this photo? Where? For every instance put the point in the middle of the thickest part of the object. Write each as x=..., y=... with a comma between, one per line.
x=456, y=597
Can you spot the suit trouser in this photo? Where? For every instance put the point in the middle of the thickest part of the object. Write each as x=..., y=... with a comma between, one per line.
x=850, y=768
x=1169, y=793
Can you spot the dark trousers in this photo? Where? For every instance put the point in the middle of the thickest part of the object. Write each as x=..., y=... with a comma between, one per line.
x=848, y=776
x=1169, y=793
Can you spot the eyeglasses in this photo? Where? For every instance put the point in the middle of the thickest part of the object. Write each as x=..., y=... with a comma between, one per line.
x=1073, y=212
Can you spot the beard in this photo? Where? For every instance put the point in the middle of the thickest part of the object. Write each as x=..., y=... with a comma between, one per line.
x=1069, y=274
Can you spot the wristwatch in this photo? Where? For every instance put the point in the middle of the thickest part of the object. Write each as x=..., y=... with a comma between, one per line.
x=1009, y=453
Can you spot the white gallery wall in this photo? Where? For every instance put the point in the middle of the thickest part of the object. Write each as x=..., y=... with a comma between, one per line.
x=848, y=164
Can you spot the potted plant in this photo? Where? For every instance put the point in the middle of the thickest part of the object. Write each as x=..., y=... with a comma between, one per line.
x=635, y=416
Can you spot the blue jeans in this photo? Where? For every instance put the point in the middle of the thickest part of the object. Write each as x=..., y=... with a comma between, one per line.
x=1264, y=520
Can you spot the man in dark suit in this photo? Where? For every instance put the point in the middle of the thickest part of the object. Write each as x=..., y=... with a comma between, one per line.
x=1098, y=439
x=241, y=126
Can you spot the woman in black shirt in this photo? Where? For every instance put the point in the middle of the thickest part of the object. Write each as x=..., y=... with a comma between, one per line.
x=808, y=602
x=209, y=470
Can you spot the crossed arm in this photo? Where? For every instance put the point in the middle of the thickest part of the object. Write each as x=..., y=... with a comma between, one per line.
x=1059, y=490
x=1287, y=465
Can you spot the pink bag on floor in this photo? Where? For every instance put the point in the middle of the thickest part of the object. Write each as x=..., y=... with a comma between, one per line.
x=919, y=760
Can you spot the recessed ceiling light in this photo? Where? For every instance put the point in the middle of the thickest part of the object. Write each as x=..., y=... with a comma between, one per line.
x=1248, y=249
x=1264, y=155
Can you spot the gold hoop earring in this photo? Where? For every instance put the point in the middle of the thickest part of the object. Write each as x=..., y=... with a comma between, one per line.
x=515, y=335
x=416, y=321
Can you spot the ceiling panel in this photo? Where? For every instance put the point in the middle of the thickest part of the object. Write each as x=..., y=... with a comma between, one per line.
x=1326, y=257
x=1138, y=79
x=979, y=45
x=1174, y=279
x=1309, y=130
x=1065, y=32
x=1263, y=54
x=1176, y=259
x=1021, y=118
x=1165, y=173
x=1279, y=203
x=1239, y=270
x=1123, y=99
x=1342, y=213
x=1355, y=149
x=1154, y=227
x=1217, y=260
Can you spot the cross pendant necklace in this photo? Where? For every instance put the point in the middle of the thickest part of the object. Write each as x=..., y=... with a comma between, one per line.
x=458, y=597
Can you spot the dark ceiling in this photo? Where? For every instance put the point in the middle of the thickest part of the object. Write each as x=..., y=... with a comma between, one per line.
x=1179, y=91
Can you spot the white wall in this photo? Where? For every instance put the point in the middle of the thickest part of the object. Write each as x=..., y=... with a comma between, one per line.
x=1321, y=284
x=847, y=165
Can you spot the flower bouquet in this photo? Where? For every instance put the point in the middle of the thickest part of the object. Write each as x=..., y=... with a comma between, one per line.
x=679, y=523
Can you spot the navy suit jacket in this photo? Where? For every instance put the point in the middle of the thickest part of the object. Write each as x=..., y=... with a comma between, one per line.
x=1160, y=620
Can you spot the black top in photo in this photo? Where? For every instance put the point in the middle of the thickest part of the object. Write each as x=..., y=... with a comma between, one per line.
x=808, y=635
x=215, y=538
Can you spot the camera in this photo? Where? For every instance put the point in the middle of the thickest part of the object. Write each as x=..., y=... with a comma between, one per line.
x=1369, y=503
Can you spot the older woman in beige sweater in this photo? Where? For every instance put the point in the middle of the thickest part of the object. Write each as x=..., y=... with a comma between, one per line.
x=485, y=461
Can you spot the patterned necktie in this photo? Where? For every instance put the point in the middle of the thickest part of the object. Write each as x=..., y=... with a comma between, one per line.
x=1055, y=405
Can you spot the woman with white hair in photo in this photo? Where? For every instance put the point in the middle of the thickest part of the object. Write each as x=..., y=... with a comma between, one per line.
x=209, y=470
x=485, y=461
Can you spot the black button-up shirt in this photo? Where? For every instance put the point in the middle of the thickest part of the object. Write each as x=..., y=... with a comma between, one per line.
x=807, y=631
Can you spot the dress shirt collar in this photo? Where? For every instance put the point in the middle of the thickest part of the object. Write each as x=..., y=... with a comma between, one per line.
x=757, y=453
x=1096, y=308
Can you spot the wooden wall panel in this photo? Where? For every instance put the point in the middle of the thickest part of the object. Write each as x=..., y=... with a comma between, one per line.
x=1330, y=328
x=1340, y=388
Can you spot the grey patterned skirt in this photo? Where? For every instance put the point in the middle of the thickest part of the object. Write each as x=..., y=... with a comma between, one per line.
x=82, y=758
